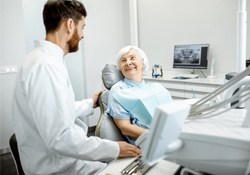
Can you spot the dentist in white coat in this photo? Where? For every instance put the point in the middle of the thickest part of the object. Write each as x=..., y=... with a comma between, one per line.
x=51, y=137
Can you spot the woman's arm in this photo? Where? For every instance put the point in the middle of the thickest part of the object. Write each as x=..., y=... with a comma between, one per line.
x=129, y=129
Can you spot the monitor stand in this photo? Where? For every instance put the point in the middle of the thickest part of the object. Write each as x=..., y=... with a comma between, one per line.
x=193, y=72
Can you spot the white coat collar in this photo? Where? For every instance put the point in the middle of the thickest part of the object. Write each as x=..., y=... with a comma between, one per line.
x=53, y=48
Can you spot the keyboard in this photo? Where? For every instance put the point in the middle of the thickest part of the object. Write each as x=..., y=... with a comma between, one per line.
x=186, y=76
x=137, y=167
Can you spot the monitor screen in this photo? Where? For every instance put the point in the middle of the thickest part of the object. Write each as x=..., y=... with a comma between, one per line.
x=162, y=138
x=190, y=56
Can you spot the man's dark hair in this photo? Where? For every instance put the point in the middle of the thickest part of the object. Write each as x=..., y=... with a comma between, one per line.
x=57, y=11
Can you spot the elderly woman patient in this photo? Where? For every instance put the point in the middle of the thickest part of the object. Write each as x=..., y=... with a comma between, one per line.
x=132, y=101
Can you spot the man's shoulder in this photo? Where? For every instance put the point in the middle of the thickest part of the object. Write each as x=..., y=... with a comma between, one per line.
x=37, y=52
x=38, y=56
x=38, y=60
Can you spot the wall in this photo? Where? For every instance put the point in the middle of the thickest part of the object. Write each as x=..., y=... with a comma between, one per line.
x=248, y=30
x=11, y=53
x=34, y=30
x=106, y=32
x=164, y=23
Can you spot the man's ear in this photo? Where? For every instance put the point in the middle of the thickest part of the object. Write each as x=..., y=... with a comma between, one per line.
x=70, y=25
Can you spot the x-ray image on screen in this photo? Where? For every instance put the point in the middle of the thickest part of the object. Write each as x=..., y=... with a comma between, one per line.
x=190, y=56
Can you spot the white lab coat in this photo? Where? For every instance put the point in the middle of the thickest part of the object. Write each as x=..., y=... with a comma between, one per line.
x=51, y=137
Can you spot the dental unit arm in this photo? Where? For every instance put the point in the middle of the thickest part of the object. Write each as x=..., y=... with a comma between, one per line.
x=242, y=83
x=217, y=139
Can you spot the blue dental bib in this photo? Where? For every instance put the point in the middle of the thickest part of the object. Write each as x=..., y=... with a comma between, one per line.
x=142, y=101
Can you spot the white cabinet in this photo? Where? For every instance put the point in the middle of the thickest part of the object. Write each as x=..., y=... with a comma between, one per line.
x=188, y=88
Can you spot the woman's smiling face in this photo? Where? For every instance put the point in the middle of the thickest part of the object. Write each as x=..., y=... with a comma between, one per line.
x=132, y=66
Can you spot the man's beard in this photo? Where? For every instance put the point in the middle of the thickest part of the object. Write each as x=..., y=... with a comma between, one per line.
x=74, y=42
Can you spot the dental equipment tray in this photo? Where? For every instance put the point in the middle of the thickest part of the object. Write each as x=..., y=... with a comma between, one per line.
x=136, y=167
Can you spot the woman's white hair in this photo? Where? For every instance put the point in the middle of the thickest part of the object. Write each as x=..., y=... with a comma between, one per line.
x=140, y=52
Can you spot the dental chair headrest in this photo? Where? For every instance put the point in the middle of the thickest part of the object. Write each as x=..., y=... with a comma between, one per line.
x=111, y=75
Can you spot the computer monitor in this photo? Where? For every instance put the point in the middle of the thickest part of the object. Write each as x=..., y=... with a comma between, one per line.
x=162, y=138
x=191, y=56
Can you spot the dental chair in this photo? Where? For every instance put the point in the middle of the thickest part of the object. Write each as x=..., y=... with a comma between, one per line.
x=15, y=154
x=106, y=128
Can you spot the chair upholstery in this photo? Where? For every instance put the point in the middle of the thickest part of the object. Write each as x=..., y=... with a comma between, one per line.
x=111, y=75
x=106, y=128
x=15, y=154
